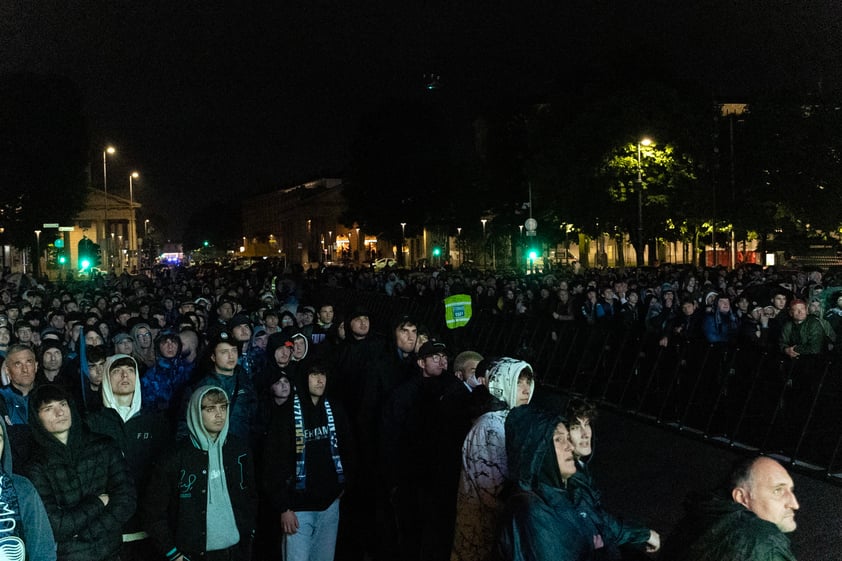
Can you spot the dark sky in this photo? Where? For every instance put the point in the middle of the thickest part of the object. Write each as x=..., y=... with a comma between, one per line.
x=208, y=100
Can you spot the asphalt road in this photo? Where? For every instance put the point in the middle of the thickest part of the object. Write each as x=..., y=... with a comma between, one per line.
x=645, y=471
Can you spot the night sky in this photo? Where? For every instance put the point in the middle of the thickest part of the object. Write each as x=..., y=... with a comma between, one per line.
x=215, y=101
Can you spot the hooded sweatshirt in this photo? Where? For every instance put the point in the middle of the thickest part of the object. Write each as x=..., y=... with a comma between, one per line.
x=201, y=495
x=163, y=383
x=308, y=453
x=30, y=537
x=141, y=435
x=484, y=466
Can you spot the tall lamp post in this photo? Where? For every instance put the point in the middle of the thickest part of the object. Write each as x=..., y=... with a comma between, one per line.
x=641, y=142
x=132, y=228
x=108, y=150
x=484, y=252
x=403, y=242
x=148, y=258
x=37, y=253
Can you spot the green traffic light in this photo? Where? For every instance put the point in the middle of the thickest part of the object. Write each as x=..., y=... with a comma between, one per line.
x=436, y=251
x=205, y=243
x=62, y=260
x=533, y=255
x=85, y=264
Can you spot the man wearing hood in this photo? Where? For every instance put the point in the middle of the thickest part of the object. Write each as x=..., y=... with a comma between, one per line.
x=748, y=518
x=200, y=501
x=141, y=435
x=239, y=327
x=25, y=532
x=484, y=468
x=163, y=384
x=144, y=350
x=52, y=360
x=308, y=457
x=82, y=478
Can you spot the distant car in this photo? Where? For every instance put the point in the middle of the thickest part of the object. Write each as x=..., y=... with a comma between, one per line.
x=382, y=263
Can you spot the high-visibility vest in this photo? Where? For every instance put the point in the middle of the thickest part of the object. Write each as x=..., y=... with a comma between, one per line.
x=457, y=310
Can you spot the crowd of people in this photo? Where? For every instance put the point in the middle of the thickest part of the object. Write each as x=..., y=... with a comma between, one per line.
x=238, y=415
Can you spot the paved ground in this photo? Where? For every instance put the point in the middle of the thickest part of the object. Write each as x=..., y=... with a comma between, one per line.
x=645, y=471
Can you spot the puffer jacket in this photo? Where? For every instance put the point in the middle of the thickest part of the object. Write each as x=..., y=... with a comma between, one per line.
x=70, y=478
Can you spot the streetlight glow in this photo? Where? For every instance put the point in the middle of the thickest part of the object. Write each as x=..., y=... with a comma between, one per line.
x=645, y=141
x=108, y=150
x=132, y=227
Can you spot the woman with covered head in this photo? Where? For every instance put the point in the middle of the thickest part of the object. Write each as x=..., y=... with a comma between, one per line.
x=201, y=499
x=484, y=464
x=540, y=521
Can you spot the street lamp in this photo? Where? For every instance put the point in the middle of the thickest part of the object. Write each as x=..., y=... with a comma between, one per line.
x=38, y=253
x=484, y=253
x=146, y=240
x=108, y=150
x=641, y=142
x=403, y=241
x=132, y=227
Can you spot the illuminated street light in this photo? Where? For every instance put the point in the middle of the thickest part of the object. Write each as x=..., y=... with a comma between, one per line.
x=403, y=242
x=484, y=253
x=38, y=253
x=132, y=227
x=641, y=142
x=108, y=150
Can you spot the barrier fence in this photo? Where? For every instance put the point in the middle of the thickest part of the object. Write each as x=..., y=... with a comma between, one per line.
x=741, y=397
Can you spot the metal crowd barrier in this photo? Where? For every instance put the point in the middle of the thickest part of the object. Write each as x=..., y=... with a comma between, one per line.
x=738, y=397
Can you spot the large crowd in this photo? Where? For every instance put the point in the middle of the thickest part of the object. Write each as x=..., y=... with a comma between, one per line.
x=213, y=413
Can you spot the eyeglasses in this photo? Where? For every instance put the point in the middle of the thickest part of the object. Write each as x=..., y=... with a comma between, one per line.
x=437, y=358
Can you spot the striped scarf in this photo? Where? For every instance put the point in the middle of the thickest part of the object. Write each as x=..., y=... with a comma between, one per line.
x=300, y=469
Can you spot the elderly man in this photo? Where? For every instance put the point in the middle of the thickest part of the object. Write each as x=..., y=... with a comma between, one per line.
x=749, y=520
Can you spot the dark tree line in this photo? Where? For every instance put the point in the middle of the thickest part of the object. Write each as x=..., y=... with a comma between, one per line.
x=773, y=171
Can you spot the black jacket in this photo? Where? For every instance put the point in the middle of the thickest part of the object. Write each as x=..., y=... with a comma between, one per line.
x=141, y=440
x=70, y=477
x=174, y=509
x=322, y=485
x=716, y=528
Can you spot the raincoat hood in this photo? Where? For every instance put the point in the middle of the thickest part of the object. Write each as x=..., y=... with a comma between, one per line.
x=529, y=444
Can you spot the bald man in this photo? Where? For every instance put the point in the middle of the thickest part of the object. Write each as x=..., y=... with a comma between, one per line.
x=749, y=519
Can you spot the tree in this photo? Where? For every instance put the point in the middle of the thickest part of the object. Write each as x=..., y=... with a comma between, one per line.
x=788, y=156
x=43, y=154
x=667, y=180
